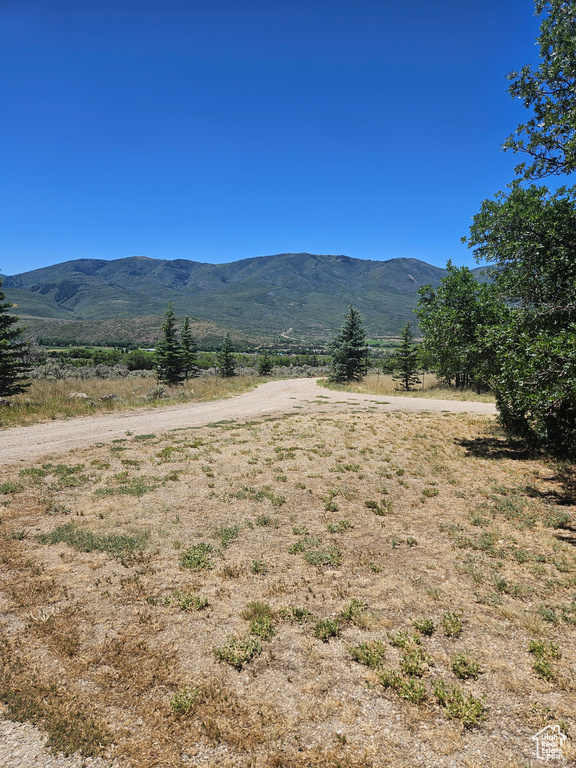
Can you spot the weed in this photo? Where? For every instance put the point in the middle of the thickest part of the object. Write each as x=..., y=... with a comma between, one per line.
x=297, y=615
x=183, y=701
x=413, y=663
x=187, y=601
x=258, y=566
x=264, y=520
x=227, y=534
x=372, y=654
x=324, y=629
x=459, y=706
x=128, y=486
x=6, y=488
x=355, y=613
x=197, y=557
x=404, y=640
x=116, y=545
x=452, y=623
x=375, y=568
x=544, y=669
x=413, y=690
x=300, y=530
x=320, y=557
x=256, y=611
x=548, y=614
x=238, y=651
x=341, y=527
x=424, y=626
x=262, y=628
x=380, y=508
x=331, y=506
x=465, y=667
x=429, y=492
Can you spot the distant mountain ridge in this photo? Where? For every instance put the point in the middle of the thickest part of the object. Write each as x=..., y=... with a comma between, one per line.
x=263, y=296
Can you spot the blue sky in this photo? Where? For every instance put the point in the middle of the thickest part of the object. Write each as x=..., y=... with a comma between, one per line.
x=220, y=130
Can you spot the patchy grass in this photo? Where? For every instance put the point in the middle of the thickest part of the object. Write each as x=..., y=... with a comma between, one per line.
x=237, y=617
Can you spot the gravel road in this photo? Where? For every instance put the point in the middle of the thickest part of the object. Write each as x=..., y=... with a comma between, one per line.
x=270, y=399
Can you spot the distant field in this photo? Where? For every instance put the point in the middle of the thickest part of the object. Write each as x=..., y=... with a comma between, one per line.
x=349, y=588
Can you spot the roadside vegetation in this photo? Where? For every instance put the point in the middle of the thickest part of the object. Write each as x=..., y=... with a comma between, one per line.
x=276, y=593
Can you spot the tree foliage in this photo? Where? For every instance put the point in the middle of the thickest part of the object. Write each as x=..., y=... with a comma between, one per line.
x=226, y=362
x=13, y=352
x=528, y=235
x=454, y=318
x=406, y=360
x=265, y=364
x=348, y=349
x=549, y=91
x=189, y=351
x=170, y=360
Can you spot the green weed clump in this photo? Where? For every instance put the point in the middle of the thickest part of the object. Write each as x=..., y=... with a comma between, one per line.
x=260, y=616
x=238, y=651
x=465, y=667
x=452, y=623
x=296, y=614
x=371, y=654
x=459, y=706
x=197, y=557
x=128, y=486
x=227, y=534
x=116, y=545
x=184, y=700
x=186, y=601
x=340, y=527
x=411, y=689
x=324, y=629
x=424, y=626
x=321, y=557
x=355, y=613
x=544, y=652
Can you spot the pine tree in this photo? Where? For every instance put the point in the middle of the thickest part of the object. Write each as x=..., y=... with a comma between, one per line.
x=226, y=363
x=169, y=354
x=405, y=360
x=348, y=350
x=13, y=365
x=265, y=364
x=189, y=351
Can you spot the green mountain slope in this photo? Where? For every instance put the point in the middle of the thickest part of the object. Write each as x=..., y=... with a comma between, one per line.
x=260, y=297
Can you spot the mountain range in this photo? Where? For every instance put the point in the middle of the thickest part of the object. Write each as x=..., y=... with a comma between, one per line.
x=291, y=296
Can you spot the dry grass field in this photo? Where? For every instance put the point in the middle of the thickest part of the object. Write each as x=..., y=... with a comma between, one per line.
x=430, y=386
x=344, y=589
x=48, y=399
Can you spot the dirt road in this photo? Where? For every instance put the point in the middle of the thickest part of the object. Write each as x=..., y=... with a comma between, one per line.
x=270, y=399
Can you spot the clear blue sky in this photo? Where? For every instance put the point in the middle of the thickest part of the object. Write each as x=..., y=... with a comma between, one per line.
x=216, y=130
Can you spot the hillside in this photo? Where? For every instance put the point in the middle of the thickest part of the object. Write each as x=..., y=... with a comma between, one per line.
x=302, y=294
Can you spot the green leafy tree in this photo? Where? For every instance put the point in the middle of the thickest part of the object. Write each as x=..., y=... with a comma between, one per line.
x=265, y=364
x=189, y=351
x=140, y=360
x=549, y=91
x=225, y=359
x=528, y=234
x=453, y=318
x=406, y=360
x=13, y=352
x=169, y=357
x=348, y=350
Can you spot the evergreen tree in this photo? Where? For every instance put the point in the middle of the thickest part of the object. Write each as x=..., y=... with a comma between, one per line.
x=189, y=351
x=265, y=364
x=348, y=350
x=13, y=351
x=406, y=360
x=225, y=358
x=169, y=356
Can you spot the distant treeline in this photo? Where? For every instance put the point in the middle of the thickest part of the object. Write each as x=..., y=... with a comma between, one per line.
x=143, y=360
